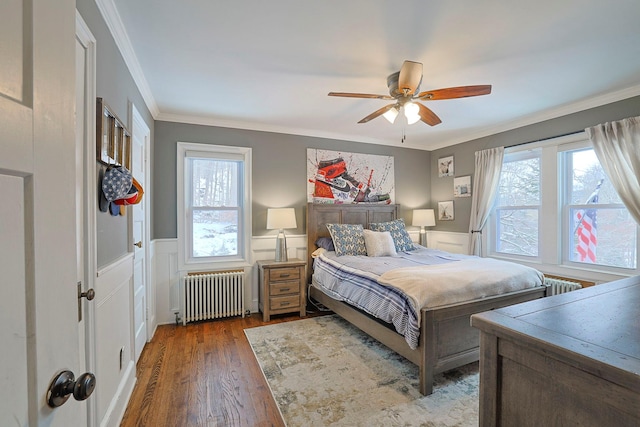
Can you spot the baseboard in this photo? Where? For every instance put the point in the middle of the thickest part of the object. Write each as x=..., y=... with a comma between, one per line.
x=118, y=406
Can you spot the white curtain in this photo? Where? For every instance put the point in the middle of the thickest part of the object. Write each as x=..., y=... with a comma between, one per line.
x=617, y=145
x=485, y=183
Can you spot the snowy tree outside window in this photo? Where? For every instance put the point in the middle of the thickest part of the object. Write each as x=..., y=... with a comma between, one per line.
x=214, y=196
x=556, y=206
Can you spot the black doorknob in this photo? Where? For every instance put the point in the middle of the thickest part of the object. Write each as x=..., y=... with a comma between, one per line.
x=65, y=384
x=84, y=386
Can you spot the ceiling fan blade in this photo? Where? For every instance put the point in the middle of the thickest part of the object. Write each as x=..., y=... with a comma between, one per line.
x=428, y=116
x=454, y=92
x=377, y=113
x=359, y=95
x=410, y=77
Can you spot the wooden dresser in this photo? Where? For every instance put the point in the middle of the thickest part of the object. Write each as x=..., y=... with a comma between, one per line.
x=282, y=287
x=570, y=359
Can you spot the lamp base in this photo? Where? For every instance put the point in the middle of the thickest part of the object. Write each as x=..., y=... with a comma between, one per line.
x=281, y=248
x=423, y=237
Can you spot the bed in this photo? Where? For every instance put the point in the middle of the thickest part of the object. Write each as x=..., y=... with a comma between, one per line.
x=446, y=340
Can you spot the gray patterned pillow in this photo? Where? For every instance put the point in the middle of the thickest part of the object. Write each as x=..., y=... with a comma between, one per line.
x=348, y=239
x=399, y=234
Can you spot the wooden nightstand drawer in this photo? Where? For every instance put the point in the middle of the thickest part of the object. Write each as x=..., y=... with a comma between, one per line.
x=283, y=288
x=289, y=301
x=284, y=273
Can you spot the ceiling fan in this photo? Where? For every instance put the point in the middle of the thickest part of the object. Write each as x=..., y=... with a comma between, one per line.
x=403, y=88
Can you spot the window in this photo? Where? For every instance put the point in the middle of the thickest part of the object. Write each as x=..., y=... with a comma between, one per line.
x=517, y=208
x=556, y=208
x=214, y=199
x=599, y=228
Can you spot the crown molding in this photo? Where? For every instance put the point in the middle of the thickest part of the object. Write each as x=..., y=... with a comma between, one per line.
x=116, y=27
x=262, y=127
x=545, y=115
x=549, y=114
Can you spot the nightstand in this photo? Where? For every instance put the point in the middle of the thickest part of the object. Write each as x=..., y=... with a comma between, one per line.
x=282, y=287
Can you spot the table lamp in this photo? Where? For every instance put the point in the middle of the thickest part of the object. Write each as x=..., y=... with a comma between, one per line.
x=280, y=219
x=423, y=218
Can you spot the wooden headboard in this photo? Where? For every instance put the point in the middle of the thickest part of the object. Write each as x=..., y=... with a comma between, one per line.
x=319, y=215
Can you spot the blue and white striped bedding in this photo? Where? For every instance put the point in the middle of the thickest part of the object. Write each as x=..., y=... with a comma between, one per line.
x=357, y=280
x=354, y=279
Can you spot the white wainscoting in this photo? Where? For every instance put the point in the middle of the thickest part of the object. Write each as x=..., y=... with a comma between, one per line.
x=164, y=255
x=457, y=243
x=167, y=279
x=114, y=366
x=164, y=258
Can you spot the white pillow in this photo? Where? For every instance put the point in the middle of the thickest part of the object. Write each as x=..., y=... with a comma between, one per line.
x=379, y=243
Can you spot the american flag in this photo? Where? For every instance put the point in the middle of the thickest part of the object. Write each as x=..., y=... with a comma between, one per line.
x=587, y=229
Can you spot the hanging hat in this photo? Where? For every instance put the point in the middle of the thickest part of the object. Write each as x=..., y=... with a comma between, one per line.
x=114, y=209
x=140, y=191
x=103, y=203
x=116, y=183
x=134, y=195
x=130, y=197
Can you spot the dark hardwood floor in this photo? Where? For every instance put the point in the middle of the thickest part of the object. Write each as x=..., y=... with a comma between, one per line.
x=203, y=374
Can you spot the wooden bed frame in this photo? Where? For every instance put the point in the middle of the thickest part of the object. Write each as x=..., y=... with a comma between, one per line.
x=447, y=339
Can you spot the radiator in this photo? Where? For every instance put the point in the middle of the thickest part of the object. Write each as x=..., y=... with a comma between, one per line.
x=560, y=286
x=213, y=295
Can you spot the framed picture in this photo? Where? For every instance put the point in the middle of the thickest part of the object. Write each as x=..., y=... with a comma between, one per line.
x=462, y=186
x=445, y=210
x=113, y=140
x=344, y=177
x=445, y=166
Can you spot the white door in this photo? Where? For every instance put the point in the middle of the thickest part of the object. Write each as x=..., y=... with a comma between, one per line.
x=85, y=196
x=38, y=293
x=140, y=136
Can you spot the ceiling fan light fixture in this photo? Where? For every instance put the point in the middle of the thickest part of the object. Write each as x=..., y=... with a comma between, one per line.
x=411, y=112
x=391, y=115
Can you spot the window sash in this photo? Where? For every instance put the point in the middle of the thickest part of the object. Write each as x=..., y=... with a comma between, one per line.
x=236, y=190
x=233, y=240
x=613, y=248
x=500, y=244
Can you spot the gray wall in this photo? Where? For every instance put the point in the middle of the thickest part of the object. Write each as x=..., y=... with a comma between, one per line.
x=116, y=86
x=279, y=171
x=464, y=154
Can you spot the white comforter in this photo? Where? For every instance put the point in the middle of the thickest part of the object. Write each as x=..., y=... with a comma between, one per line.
x=426, y=277
x=460, y=281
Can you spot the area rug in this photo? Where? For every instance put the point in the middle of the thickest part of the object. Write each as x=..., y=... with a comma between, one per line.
x=323, y=371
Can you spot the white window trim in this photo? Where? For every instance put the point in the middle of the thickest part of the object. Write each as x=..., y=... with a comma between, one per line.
x=205, y=150
x=550, y=261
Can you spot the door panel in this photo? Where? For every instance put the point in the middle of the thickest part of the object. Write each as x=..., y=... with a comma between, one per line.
x=13, y=332
x=139, y=137
x=15, y=66
x=37, y=216
x=16, y=293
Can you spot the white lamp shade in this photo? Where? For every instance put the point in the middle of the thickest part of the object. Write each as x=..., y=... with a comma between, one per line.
x=411, y=112
x=424, y=218
x=391, y=115
x=281, y=218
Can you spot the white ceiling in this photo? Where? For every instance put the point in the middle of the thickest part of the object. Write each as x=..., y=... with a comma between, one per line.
x=268, y=65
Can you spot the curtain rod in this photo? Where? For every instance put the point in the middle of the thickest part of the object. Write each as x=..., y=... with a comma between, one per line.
x=546, y=139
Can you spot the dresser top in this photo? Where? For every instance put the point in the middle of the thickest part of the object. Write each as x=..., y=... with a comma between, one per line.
x=601, y=323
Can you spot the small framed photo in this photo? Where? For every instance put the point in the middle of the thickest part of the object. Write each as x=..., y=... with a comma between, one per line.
x=462, y=186
x=445, y=210
x=445, y=166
